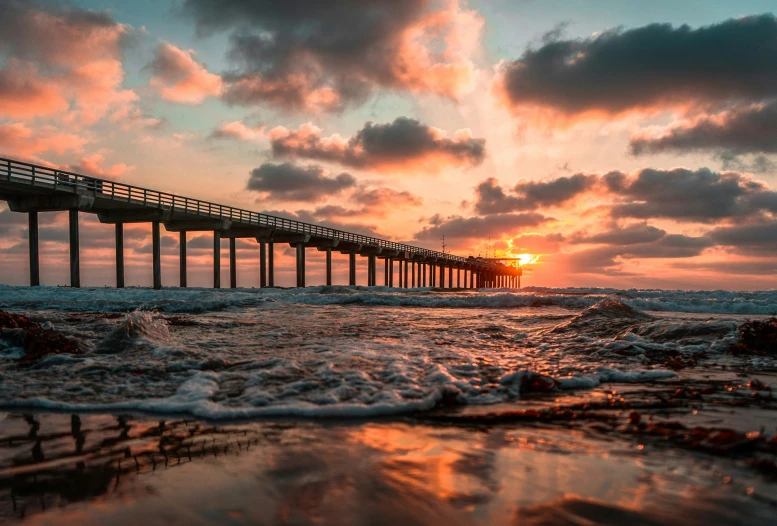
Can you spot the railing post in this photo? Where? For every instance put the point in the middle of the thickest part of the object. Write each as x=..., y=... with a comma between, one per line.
x=34, y=254
x=119, y=255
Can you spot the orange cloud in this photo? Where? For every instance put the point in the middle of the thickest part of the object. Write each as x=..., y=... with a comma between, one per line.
x=17, y=139
x=63, y=58
x=179, y=78
x=403, y=145
x=92, y=165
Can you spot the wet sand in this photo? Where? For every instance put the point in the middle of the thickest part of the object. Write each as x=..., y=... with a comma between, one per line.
x=584, y=461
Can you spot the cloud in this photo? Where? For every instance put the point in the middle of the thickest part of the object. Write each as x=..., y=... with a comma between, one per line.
x=649, y=67
x=324, y=56
x=93, y=165
x=385, y=197
x=24, y=95
x=749, y=129
x=18, y=140
x=530, y=195
x=404, y=144
x=479, y=227
x=290, y=182
x=753, y=239
x=238, y=131
x=177, y=77
x=625, y=235
x=536, y=243
x=63, y=58
x=688, y=195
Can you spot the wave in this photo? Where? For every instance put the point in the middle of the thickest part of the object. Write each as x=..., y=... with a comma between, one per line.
x=200, y=300
x=195, y=397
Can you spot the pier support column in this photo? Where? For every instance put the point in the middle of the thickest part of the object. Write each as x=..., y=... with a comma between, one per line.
x=216, y=259
x=262, y=264
x=371, y=270
x=386, y=263
x=232, y=263
x=423, y=274
x=271, y=264
x=442, y=276
x=300, y=264
x=34, y=254
x=351, y=269
x=399, y=285
x=119, y=255
x=75, y=253
x=156, y=250
x=519, y=282
x=458, y=278
x=328, y=266
x=406, y=264
x=182, y=258
x=390, y=272
x=432, y=266
x=450, y=277
x=412, y=281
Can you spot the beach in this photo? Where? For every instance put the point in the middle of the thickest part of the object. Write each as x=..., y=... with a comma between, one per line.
x=343, y=405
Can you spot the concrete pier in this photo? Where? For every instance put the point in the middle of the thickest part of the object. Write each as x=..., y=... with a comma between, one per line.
x=352, y=269
x=182, y=258
x=119, y=227
x=156, y=251
x=262, y=264
x=31, y=189
x=75, y=250
x=216, y=259
x=328, y=266
x=34, y=253
x=232, y=263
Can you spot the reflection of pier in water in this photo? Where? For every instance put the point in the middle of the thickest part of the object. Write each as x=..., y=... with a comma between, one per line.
x=40, y=470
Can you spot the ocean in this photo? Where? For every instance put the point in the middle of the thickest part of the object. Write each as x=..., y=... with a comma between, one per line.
x=348, y=405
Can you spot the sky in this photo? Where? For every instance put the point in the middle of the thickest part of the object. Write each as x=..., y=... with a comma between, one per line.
x=608, y=143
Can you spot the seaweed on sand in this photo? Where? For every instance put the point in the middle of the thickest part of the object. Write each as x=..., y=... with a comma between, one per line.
x=757, y=337
x=36, y=341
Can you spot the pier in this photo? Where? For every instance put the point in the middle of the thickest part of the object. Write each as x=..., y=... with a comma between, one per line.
x=30, y=189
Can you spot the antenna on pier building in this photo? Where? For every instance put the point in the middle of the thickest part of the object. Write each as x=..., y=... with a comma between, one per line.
x=443, y=244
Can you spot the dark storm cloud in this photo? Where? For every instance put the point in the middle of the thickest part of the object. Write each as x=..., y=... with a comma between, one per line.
x=753, y=239
x=687, y=195
x=752, y=129
x=479, y=227
x=303, y=53
x=654, y=65
x=530, y=195
x=291, y=182
x=402, y=143
x=608, y=257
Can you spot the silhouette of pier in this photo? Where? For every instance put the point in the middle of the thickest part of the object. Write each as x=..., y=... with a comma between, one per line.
x=30, y=188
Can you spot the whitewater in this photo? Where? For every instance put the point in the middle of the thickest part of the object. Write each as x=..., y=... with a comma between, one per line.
x=353, y=352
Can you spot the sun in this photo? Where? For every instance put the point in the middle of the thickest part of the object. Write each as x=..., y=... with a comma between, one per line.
x=527, y=259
